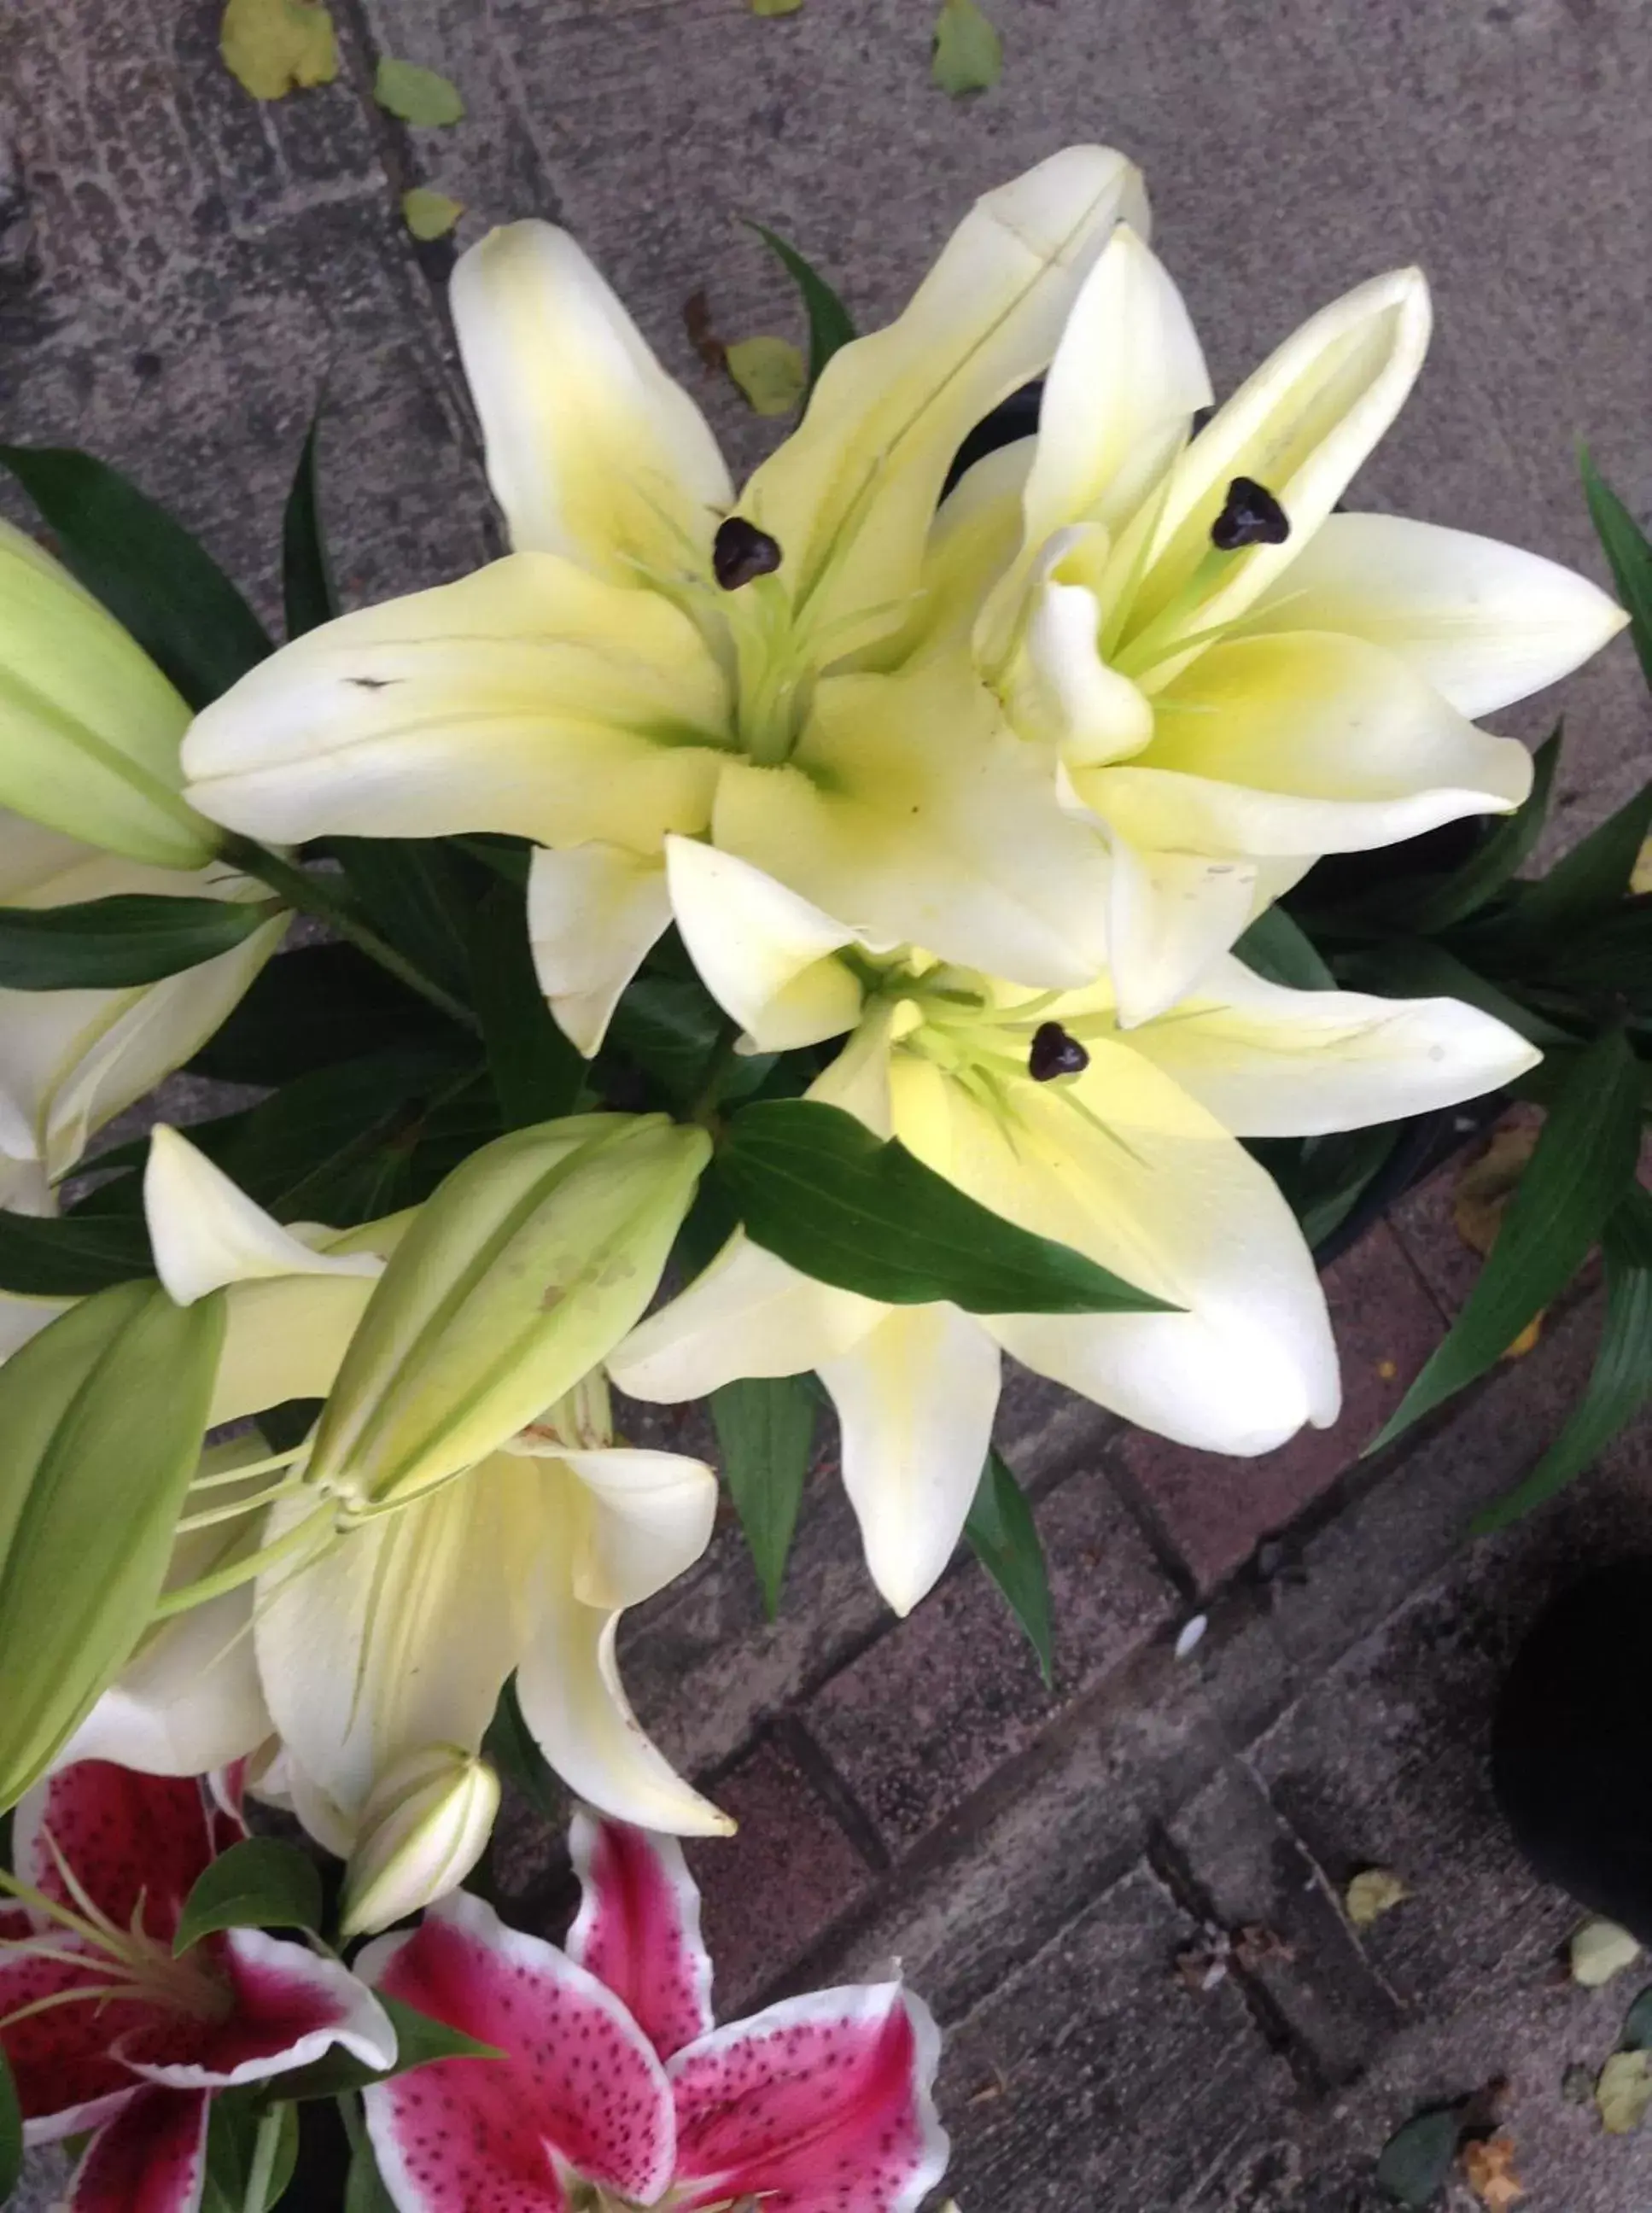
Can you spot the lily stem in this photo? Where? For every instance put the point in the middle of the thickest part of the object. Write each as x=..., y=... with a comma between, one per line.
x=717, y=1064
x=261, y=2172
x=310, y=894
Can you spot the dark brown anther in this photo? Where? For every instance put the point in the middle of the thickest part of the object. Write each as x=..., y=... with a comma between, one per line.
x=740, y=551
x=1054, y=1053
x=1253, y=516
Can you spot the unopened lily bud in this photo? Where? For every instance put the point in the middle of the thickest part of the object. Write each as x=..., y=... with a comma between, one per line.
x=421, y=1831
x=92, y=729
x=522, y=1272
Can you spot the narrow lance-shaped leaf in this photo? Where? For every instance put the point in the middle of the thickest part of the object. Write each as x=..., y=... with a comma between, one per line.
x=829, y=326
x=1280, y=949
x=151, y=575
x=1005, y=1538
x=509, y=1745
x=1621, y=1381
x=1629, y=553
x=101, y=1418
x=1582, y=1166
x=765, y=1436
x=537, y=1073
x=115, y=944
x=816, y=1188
x=71, y=1258
x=259, y=1883
x=309, y=596
x=365, y=2190
x=1580, y=890
x=1500, y=855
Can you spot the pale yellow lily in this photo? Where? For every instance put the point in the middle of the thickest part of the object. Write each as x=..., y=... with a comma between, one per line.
x=655, y=659
x=360, y=1642
x=1132, y=1157
x=70, y=1061
x=1233, y=678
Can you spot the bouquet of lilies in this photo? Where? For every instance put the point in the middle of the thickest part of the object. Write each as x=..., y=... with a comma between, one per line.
x=782, y=946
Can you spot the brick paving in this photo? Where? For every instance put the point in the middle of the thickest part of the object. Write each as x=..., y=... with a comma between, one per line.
x=179, y=273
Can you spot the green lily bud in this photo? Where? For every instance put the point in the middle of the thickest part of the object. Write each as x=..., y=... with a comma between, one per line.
x=422, y=1832
x=89, y=728
x=522, y=1272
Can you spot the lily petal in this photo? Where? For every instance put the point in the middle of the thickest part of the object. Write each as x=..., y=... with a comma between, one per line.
x=593, y=451
x=531, y=698
x=572, y=1699
x=1127, y=378
x=910, y=812
x=578, y=2079
x=748, y=1314
x=1059, y=691
x=1172, y=915
x=151, y=2158
x=819, y=2104
x=763, y=954
x=59, y=2057
x=129, y=1840
x=284, y=1338
x=638, y=1929
x=915, y=1401
x=647, y=1518
x=593, y=913
x=1307, y=742
x=1301, y=425
x=207, y=1233
x=1484, y=623
x=864, y=469
x=1273, y=1063
x=972, y=540
x=290, y=2007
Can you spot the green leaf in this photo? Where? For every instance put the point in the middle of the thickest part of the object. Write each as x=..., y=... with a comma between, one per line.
x=1629, y=553
x=1579, y=891
x=101, y=1418
x=259, y=1883
x=1005, y=1538
x=69, y=1257
x=1418, y=968
x=537, y=1074
x=1417, y=2160
x=829, y=323
x=770, y=372
x=420, y=2039
x=114, y=944
x=11, y=2131
x=152, y=575
x=235, y=2125
x=968, y=51
x=314, y=1005
x=416, y=94
x=1637, y=2035
x=1621, y=1380
x=1499, y=856
x=1580, y=1170
x=417, y=894
x=269, y=46
x=765, y=1434
x=667, y=1025
x=365, y=2190
x=775, y=7
x=1333, y=1174
x=1280, y=950
x=429, y=214
x=814, y=1187
x=510, y=1745
x=308, y=594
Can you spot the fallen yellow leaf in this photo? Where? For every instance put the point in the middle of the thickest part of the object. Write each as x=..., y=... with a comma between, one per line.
x=270, y=46
x=429, y=214
x=769, y=371
x=1372, y=1894
x=1489, y=2171
x=1623, y=2091
x=1487, y=1184
x=1600, y=1950
x=1640, y=878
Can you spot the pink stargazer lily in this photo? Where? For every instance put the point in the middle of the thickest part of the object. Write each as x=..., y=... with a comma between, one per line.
x=104, y=2029
x=615, y=2091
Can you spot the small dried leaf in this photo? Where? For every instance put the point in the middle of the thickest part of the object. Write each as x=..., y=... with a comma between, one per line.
x=1489, y=2171
x=702, y=334
x=775, y=7
x=1487, y=1184
x=1622, y=2092
x=770, y=372
x=429, y=214
x=416, y=94
x=1600, y=1950
x=1372, y=1894
x=1528, y=1337
x=269, y=46
x=1640, y=878
x=968, y=52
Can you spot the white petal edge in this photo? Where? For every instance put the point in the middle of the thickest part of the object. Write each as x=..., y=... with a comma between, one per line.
x=207, y=1233
x=593, y=912
x=763, y=951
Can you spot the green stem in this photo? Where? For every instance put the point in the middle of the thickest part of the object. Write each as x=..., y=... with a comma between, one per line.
x=310, y=895
x=261, y=2172
x=703, y=1110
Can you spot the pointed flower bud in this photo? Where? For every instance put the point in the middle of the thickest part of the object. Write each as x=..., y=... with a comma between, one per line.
x=422, y=1831
x=521, y=1273
x=93, y=728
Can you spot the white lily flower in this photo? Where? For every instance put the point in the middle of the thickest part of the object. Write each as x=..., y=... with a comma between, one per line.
x=361, y=1641
x=1121, y=1142
x=1233, y=677
x=656, y=660
x=70, y=1061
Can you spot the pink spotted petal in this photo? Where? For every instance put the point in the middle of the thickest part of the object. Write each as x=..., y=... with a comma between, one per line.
x=151, y=2159
x=66, y=2080
x=579, y=2085
x=820, y=2104
x=290, y=2007
x=638, y=1929
x=123, y=1835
